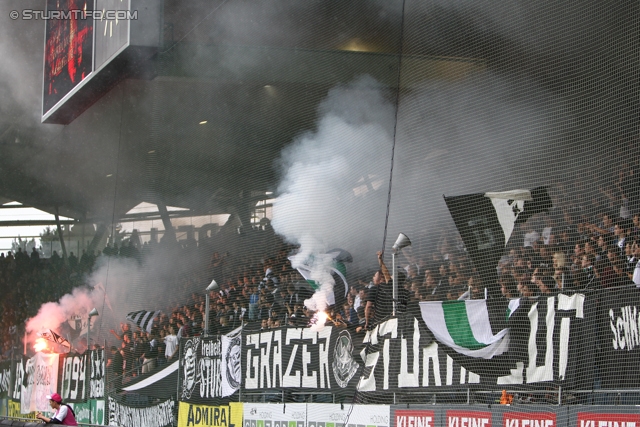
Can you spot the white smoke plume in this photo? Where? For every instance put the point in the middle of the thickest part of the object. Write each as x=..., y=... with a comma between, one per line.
x=480, y=134
x=333, y=190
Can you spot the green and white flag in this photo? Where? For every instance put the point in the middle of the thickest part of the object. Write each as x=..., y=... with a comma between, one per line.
x=328, y=268
x=464, y=327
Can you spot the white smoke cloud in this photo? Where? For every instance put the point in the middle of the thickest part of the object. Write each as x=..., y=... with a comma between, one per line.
x=480, y=134
x=333, y=190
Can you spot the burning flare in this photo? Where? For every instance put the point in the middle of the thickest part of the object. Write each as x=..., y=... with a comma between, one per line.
x=319, y=320
x=40, y=344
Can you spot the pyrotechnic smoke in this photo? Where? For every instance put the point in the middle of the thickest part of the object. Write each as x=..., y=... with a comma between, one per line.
x=332, y=193
x=456, y=137
x=116, y=287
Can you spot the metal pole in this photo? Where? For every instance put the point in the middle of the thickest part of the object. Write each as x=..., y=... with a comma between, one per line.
x=61, y=237
x=88, y=329
x=559, y=395
x=395, y=281
x=206, y=316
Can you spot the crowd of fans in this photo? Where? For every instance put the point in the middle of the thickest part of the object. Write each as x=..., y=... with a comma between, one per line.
x=259, y=289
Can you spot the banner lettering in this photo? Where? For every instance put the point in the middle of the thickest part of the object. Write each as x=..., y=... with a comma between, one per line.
x=40, y=379
x=97, y=374
x=619, y=317
x=73, y=387
x=191, y=415
x=160, y=415
x=5, y=379
x=210, y=367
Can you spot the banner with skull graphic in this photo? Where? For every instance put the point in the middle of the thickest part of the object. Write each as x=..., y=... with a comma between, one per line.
x=210, y=367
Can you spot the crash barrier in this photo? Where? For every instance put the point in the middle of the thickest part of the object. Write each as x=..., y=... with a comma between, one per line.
x=238, y=414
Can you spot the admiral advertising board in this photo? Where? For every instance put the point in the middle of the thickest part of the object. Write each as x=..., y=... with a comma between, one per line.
x=193, y=415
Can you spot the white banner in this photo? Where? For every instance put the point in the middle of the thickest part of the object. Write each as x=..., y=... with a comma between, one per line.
x=330, y=415
x=274, y=415
x=40, y=380
x=232, y=353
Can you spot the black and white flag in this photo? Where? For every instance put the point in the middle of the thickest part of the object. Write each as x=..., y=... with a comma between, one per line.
x=486, y=221
x=53, y=337
x=143, y=319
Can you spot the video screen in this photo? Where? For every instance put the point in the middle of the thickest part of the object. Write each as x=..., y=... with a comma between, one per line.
x=68, y=55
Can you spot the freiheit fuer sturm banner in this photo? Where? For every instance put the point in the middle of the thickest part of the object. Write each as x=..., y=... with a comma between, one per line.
x=210, y=367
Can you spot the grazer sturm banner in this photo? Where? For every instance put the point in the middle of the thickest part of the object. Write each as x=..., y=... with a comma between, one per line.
x=192, y=415
x=97, y=367
x=274, y=415
x=300, y=359
x=210, y=367
x=73, y=387
x=548, y=344
x=40, y=379
x=5, y=379
x=160, y=415
x=619, y=337
x=332, y=415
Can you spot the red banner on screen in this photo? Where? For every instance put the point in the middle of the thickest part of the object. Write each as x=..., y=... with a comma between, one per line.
x=68, y=55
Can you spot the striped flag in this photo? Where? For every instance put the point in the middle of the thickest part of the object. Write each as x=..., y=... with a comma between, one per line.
x=464, y=327
x=53, y=337
x=143, y=319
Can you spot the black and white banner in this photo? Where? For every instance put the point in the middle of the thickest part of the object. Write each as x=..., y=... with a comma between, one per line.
x=210, y=367
x=300, y=358
x=5, y=379
x=97, y=366
x=486, y=222
x=160, y=415
x=18, y=376
x=549, y=343
x=73, y=381
x=619, y=328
